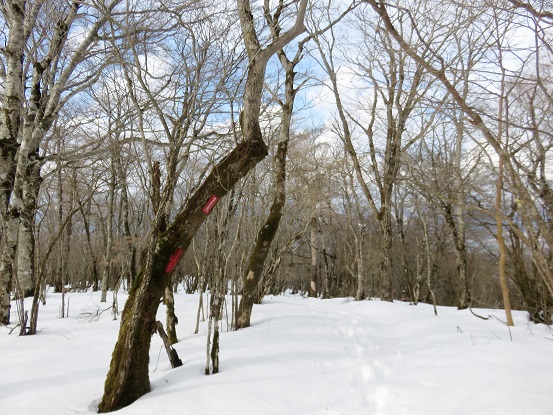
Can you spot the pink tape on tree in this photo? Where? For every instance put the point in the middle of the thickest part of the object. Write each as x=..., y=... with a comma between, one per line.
x=210, y=204
x=174, y=260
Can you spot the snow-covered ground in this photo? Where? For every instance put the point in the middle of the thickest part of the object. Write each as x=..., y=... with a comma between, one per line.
x=301, y=356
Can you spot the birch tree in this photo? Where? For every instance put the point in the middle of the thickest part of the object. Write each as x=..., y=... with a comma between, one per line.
x=52, y=52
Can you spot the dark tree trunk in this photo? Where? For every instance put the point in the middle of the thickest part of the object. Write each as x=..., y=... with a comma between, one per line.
x=263, y=242
x=94, y=275
x=313, y=287
x=266, y=234
x=386, y=238
x=128, y=379
x=171, y=352
x=460, y=256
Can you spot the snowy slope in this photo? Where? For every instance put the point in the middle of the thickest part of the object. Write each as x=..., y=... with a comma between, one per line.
x=301, y=356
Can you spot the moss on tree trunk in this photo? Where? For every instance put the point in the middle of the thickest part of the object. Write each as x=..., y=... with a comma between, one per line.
x=128, y=379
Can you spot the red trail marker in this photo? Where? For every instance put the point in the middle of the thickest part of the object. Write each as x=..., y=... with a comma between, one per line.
x=210, y=205
x=173, y=260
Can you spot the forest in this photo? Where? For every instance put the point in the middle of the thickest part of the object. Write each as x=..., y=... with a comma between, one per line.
x=392, y=150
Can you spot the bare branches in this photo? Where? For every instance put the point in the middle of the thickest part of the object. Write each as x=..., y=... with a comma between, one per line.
x=539, y=14
x=251, y=40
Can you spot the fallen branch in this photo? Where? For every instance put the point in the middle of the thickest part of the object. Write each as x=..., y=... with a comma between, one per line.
x=504, y=322
x=171, y=352
x=483, y=318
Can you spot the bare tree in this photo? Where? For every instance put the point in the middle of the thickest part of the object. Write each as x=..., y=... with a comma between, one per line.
x=398, y=86
x=128, y=378
x=56, y=67
x=268, y=230
x=483, y=120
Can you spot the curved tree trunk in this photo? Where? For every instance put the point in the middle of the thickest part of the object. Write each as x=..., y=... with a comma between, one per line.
x=266, y=234
x=128, y=379
x=263, y=242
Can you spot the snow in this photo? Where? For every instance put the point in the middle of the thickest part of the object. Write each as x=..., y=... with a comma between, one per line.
x=301, y=356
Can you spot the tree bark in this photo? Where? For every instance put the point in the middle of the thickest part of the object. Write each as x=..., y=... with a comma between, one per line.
x=171, y=352
x=171, y=318
x=313, y=287
x=386, y=240
x=266, y=234
x=26, y=234
x=502, y=248
x=460, y=242
x=360, y=293
x=457, y=229
x=109, y=235
x=12, y=105
x=94, y=265
x=128, y=378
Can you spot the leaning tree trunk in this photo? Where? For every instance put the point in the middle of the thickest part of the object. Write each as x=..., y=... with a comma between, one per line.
x=128, y=379
x=265, y=236
x=171, y=319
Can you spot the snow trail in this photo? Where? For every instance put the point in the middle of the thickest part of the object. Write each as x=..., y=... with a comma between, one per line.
x=301, y=356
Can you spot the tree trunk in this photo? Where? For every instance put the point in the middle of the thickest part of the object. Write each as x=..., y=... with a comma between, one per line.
x=360, y=294
x=130, y=253
x=128, y=378
x=429, y=268
x=26, y=237
x=457, y=229
x=385, y=283
x=217, y=300
x=94, y=261
x=313, y=288
x=11, y=230
x=266, y=234
x=109, y=235
x=502, y=248
x=171, y=352
x=171, y=318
